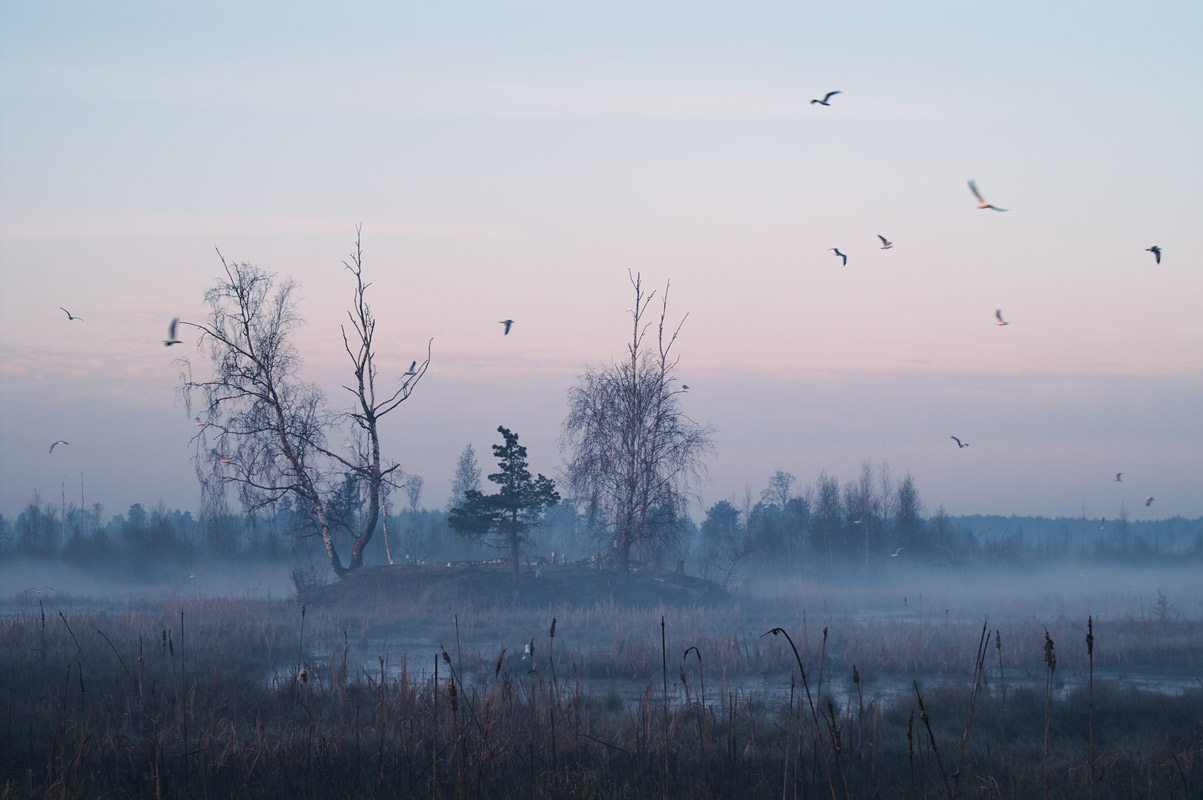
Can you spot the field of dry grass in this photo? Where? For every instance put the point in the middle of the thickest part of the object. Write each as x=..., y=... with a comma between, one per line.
x=225, y=697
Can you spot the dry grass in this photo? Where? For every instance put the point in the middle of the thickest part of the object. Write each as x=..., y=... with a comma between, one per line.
x=190, y=698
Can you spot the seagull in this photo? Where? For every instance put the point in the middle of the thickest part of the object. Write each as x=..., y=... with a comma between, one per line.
x=886, y=244
x=197, y=422
x=413, y=369
x=1119, y=477
x=1148, y=502
x=1102, y=523
x=170, y=340
x=56, y=444
x=507, y=323
x=685, y=386
x=980, y=202
x=81, y=319
x=998, y=316
x=1155, y=250
x=826, y=97
x=896, y=552
x=958, y=441
x=836, y=250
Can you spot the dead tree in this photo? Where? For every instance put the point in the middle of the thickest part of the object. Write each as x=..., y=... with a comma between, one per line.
x=633, y=454
x=263, y=430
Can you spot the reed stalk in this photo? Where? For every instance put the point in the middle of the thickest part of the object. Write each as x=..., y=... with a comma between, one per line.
x=1090, y=694
x=931, y=737
x=1050, y=660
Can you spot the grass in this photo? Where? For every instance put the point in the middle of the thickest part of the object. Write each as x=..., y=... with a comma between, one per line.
x=203, y=698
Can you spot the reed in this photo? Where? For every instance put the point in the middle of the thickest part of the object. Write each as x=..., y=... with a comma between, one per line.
x=223, y=715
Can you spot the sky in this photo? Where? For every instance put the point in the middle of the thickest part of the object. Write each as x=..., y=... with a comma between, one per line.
x=516, y=160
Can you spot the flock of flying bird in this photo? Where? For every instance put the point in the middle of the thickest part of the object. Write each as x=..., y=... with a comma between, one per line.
x=886, y=244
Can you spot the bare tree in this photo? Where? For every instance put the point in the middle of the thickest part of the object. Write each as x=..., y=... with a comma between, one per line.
x=634, y=454
x=780, y=489
x=265, y=431
x=466, y=477
x=413, y=496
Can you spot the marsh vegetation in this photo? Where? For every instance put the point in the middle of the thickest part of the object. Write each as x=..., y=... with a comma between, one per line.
x=902, y=686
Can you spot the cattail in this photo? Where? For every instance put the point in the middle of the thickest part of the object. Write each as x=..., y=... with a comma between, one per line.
x=553, y=627
x=453, y=695
x=1050, y=657
x=855, y=675
x=1090, y=636
x=835, y=731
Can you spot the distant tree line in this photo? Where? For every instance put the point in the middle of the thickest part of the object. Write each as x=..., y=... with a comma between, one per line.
x=864, y=523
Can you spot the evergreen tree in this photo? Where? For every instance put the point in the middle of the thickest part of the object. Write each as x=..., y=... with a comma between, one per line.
x=504, y=520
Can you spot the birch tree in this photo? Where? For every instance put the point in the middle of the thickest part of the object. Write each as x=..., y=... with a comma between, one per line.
x=633, y=454
x=266, y=432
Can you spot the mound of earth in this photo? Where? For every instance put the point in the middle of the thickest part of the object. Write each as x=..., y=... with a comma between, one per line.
x=490, y=584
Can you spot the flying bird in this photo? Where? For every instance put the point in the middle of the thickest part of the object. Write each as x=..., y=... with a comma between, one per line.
x=413, y=369
x=958, y=441
x=1119, y=477
x=81, y=319
x=56, y=444
x=998, y=316
x=507, y=323
x=685, y=386
x=170, y=340
x=1155, y=250
x=1148, y=502
x=836, y=250
x=1102, y=523
x=886, y=244
x=826, y=97
x=197, y=422
x=896, y=552
x=980, y=202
